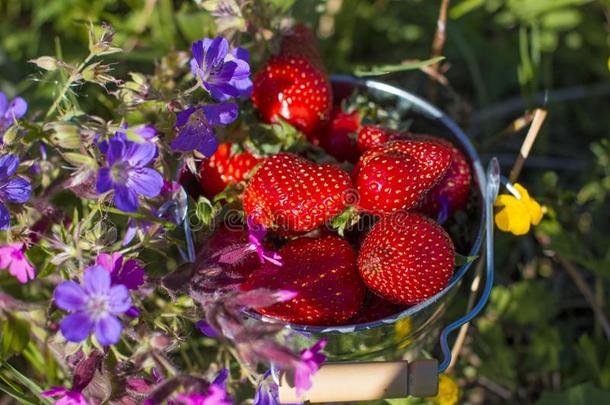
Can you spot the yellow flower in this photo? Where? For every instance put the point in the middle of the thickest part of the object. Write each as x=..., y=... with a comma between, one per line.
x=448, y=391
x=517, y=214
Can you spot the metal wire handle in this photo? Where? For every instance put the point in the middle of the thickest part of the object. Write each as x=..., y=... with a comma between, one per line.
x=492, y=187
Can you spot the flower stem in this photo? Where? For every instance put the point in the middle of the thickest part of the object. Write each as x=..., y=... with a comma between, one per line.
x=71, y=79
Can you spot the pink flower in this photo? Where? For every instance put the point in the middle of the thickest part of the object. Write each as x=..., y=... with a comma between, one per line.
x=216, y=395
x=67, y=397
x=311, y=360
x=13, y=259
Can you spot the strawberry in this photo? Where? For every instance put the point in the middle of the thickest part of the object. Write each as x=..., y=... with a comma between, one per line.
x=396, y=175
x=337, y=139
x=373, y=135
x=223, y=168
x=293, y=88
x=295, y=194
x=406, y=258
x=322, y=272
x=301, y=41
x=374, y=309
x=454, y=188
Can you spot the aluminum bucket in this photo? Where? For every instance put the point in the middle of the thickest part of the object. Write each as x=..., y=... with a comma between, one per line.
x=416, y=327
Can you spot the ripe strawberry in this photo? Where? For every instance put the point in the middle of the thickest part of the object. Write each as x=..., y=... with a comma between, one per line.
x=294, y=89
x=396, y=175
x=373, y=135
x=406, y=258
x=222, y=169
x=294, y=194
x=337, y=140
x=301, y=41
x=453, y=189
x=322, y=272
x=374, y=309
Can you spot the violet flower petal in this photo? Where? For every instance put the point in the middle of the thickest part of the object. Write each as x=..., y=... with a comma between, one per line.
x=104, y=181
x=119, y=300
x=16, y=190
x=221, y=114
x=5, y=217
x=125, y=198
x=70, y=296
x=96, y=280
x=108, y=330
x=76, y=327
x=145, y=181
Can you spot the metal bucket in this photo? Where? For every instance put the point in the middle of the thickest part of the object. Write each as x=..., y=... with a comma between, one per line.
x=415, y=327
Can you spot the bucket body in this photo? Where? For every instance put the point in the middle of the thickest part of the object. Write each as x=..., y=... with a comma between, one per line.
x=416, y=327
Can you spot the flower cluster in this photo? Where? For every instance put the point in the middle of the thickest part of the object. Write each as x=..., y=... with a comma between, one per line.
x=118, y=255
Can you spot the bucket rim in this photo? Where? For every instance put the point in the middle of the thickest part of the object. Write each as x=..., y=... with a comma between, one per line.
x=479, y=181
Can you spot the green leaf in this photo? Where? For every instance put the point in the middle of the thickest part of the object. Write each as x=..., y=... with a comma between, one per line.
x=15, y=336
x=385, y=69
x=583, y=394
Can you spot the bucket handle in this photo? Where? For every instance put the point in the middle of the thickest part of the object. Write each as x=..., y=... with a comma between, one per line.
x=492, y=187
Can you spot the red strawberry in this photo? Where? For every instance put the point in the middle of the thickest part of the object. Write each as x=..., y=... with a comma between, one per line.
x=453, y=189
x=406, y=258
x=322, y=272
x=294, y=89
x=301, y=41
x=396, y=175
x=294, y=194
x=373, y=135
x=222, y=169
x=374, y=309
x=337, y=138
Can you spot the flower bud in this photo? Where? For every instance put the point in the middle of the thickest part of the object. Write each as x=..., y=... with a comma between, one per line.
x=46, y=62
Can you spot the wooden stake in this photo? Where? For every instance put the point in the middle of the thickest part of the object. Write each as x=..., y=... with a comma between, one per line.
x=526, y=146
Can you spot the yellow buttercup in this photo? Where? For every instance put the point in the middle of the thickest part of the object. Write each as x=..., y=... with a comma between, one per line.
x=448, y=391
x=516, y=215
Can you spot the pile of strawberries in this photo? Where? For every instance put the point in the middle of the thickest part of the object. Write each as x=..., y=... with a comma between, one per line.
x=399, y=182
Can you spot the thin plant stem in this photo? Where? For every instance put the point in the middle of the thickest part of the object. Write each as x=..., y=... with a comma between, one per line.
x=437, y=46
x=71, y=79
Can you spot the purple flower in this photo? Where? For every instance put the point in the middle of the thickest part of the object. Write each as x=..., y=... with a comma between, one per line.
x=206, y=329
x=67, y=397
x=196, y=127
x=94, y=307
x=10, y=112
x=256, y=234
x=13, y=259
x=311, y=359
x=267, y=392
x=12, y=188
x=138, y=133
x=221, y=72
x=127, y=272
x=126, y=173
